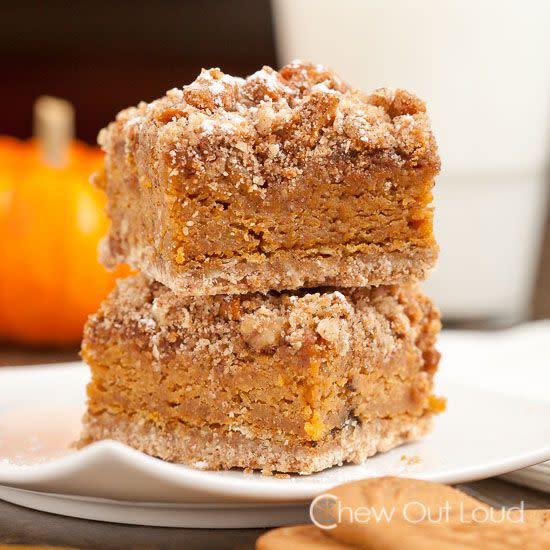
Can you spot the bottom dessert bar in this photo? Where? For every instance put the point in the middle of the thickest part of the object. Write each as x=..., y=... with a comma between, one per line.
x=291, y=382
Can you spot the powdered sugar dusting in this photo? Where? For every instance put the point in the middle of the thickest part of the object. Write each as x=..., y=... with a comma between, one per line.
x=273, y=123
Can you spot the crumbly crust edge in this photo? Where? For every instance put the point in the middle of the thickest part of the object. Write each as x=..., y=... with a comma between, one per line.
x=282, y=270
x=214, y=449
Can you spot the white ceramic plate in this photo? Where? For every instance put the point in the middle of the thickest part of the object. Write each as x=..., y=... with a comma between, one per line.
x=497, y=421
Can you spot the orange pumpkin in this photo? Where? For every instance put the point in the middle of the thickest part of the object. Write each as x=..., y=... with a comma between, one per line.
x=51, y=220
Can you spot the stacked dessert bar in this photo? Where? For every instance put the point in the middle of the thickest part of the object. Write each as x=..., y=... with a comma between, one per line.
x=280, y=224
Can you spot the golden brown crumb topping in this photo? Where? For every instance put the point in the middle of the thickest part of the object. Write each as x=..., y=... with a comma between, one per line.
x=269, y=125
x=266, y=322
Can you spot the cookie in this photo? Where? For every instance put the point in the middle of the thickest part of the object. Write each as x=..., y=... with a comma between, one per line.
x=300, y=537
x=393, y=513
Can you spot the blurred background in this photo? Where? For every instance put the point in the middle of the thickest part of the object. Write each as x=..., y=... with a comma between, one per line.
x=483, y=68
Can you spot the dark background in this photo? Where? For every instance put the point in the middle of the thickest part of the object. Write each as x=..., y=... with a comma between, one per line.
x=105, y=55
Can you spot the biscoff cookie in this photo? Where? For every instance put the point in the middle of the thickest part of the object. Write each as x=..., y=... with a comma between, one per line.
x=300, y=537
x=407, y=514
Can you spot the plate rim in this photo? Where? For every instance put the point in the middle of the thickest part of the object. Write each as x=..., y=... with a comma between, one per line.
x=255, y=490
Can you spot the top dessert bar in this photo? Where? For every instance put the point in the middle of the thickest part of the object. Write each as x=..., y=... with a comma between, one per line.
x=282, y=180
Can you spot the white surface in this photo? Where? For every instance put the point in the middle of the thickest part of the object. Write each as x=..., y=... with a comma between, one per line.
x=497, y=225
x=497, y=421
x=482, y=68
x=536, y=477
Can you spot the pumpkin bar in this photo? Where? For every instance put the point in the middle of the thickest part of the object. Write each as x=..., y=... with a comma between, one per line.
x=295, y=381
x=285, y=179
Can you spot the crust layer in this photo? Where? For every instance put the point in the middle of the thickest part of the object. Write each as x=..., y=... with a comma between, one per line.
x=211, y=448
x=282, y=270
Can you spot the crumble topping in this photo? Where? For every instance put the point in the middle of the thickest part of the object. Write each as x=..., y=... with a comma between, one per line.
x=324, y=318
x=267, y=126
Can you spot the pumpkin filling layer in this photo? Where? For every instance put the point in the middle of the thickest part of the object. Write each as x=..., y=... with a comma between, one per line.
x=294, y=381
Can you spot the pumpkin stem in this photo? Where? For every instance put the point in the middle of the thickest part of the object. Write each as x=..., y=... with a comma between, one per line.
x=53, y=128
